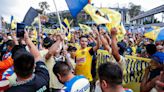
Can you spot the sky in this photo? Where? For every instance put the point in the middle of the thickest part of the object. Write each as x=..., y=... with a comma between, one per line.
x=18, y=8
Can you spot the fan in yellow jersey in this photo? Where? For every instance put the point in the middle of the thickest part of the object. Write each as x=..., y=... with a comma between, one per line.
x=84, y=57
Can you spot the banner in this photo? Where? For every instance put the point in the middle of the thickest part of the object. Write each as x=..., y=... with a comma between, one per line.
x=103, y=56
x=133, y=72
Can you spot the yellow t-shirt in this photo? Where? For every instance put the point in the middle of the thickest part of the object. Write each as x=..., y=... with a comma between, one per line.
x=84, y=63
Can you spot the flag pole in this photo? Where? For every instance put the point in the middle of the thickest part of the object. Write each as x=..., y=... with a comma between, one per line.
x=59, y=22
x=58, y=16
x=40, y=29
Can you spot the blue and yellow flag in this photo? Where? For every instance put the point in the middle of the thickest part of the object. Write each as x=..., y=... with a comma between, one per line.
x=75, y=6
x=156, y=35
x=66, y=27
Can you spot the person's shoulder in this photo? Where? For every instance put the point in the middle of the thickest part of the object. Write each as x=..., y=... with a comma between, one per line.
x=128, y=90
x=80, y=83
x=89, y=48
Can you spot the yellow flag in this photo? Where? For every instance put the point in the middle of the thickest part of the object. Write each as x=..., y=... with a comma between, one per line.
x=86, y=29
x=13, y=24
x=89, y=9
x=121, y=32
x=114, y=16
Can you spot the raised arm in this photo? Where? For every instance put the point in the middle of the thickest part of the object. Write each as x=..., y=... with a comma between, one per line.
x=33, y=49
x=114, y=46
x=104, y=41
x=55, y=47
x=95, y=48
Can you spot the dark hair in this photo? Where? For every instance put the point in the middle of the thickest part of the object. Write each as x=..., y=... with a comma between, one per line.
x=61, y=68
x=83, y=36
x=71, y=48
x=21, y=48
x=111, y=73
x=10, y=43
x=151, y=49
x=23, y=63
x=47, y=43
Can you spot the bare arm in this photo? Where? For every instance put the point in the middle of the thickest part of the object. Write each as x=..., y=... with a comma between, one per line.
x=105, y=43
x=114, y=46
x=53, y=49
x=15, y=40
x=98, y=42
x=108, y=38
x=147, y=85
x=33, y=49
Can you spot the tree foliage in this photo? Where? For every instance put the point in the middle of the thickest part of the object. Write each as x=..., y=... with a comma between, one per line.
x=44, y=6
x=134, y=10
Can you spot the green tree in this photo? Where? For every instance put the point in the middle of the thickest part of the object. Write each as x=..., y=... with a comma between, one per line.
x=134, y=10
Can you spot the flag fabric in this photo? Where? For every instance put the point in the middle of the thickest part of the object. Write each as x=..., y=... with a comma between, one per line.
x=66, y=27
x=12, y=17
x=113, y=15
x=121, y=32
x=156, y=35
x=134, y=69
x=75, y=6
x=65, y=24
x=13, y=24
x=9, y=72
x=115, y=18
x=89, y=9
x=152, y=28
x=30, y=16
x=86, y=29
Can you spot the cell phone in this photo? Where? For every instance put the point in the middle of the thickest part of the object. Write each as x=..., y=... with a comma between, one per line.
x=20, y=30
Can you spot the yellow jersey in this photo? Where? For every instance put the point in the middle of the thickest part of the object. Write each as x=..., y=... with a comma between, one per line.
x=84, y=63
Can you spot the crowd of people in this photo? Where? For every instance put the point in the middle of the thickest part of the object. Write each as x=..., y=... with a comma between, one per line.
x=56, y=64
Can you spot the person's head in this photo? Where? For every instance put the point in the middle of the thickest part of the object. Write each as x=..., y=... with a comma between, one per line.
x=160, y=48
x=83, y=41
x=62, y=70
x=10, y=44
x=72, y=51
x=121, y=47
x=47, y=43
x=110, y=76
x=23, y=63
x=151, y=49
x=151, y=41
x=131, y=41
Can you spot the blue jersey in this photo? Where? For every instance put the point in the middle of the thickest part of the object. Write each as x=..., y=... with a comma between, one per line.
x=77, y=84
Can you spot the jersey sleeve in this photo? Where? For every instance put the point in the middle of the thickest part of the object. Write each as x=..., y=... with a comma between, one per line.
x=91, y=51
